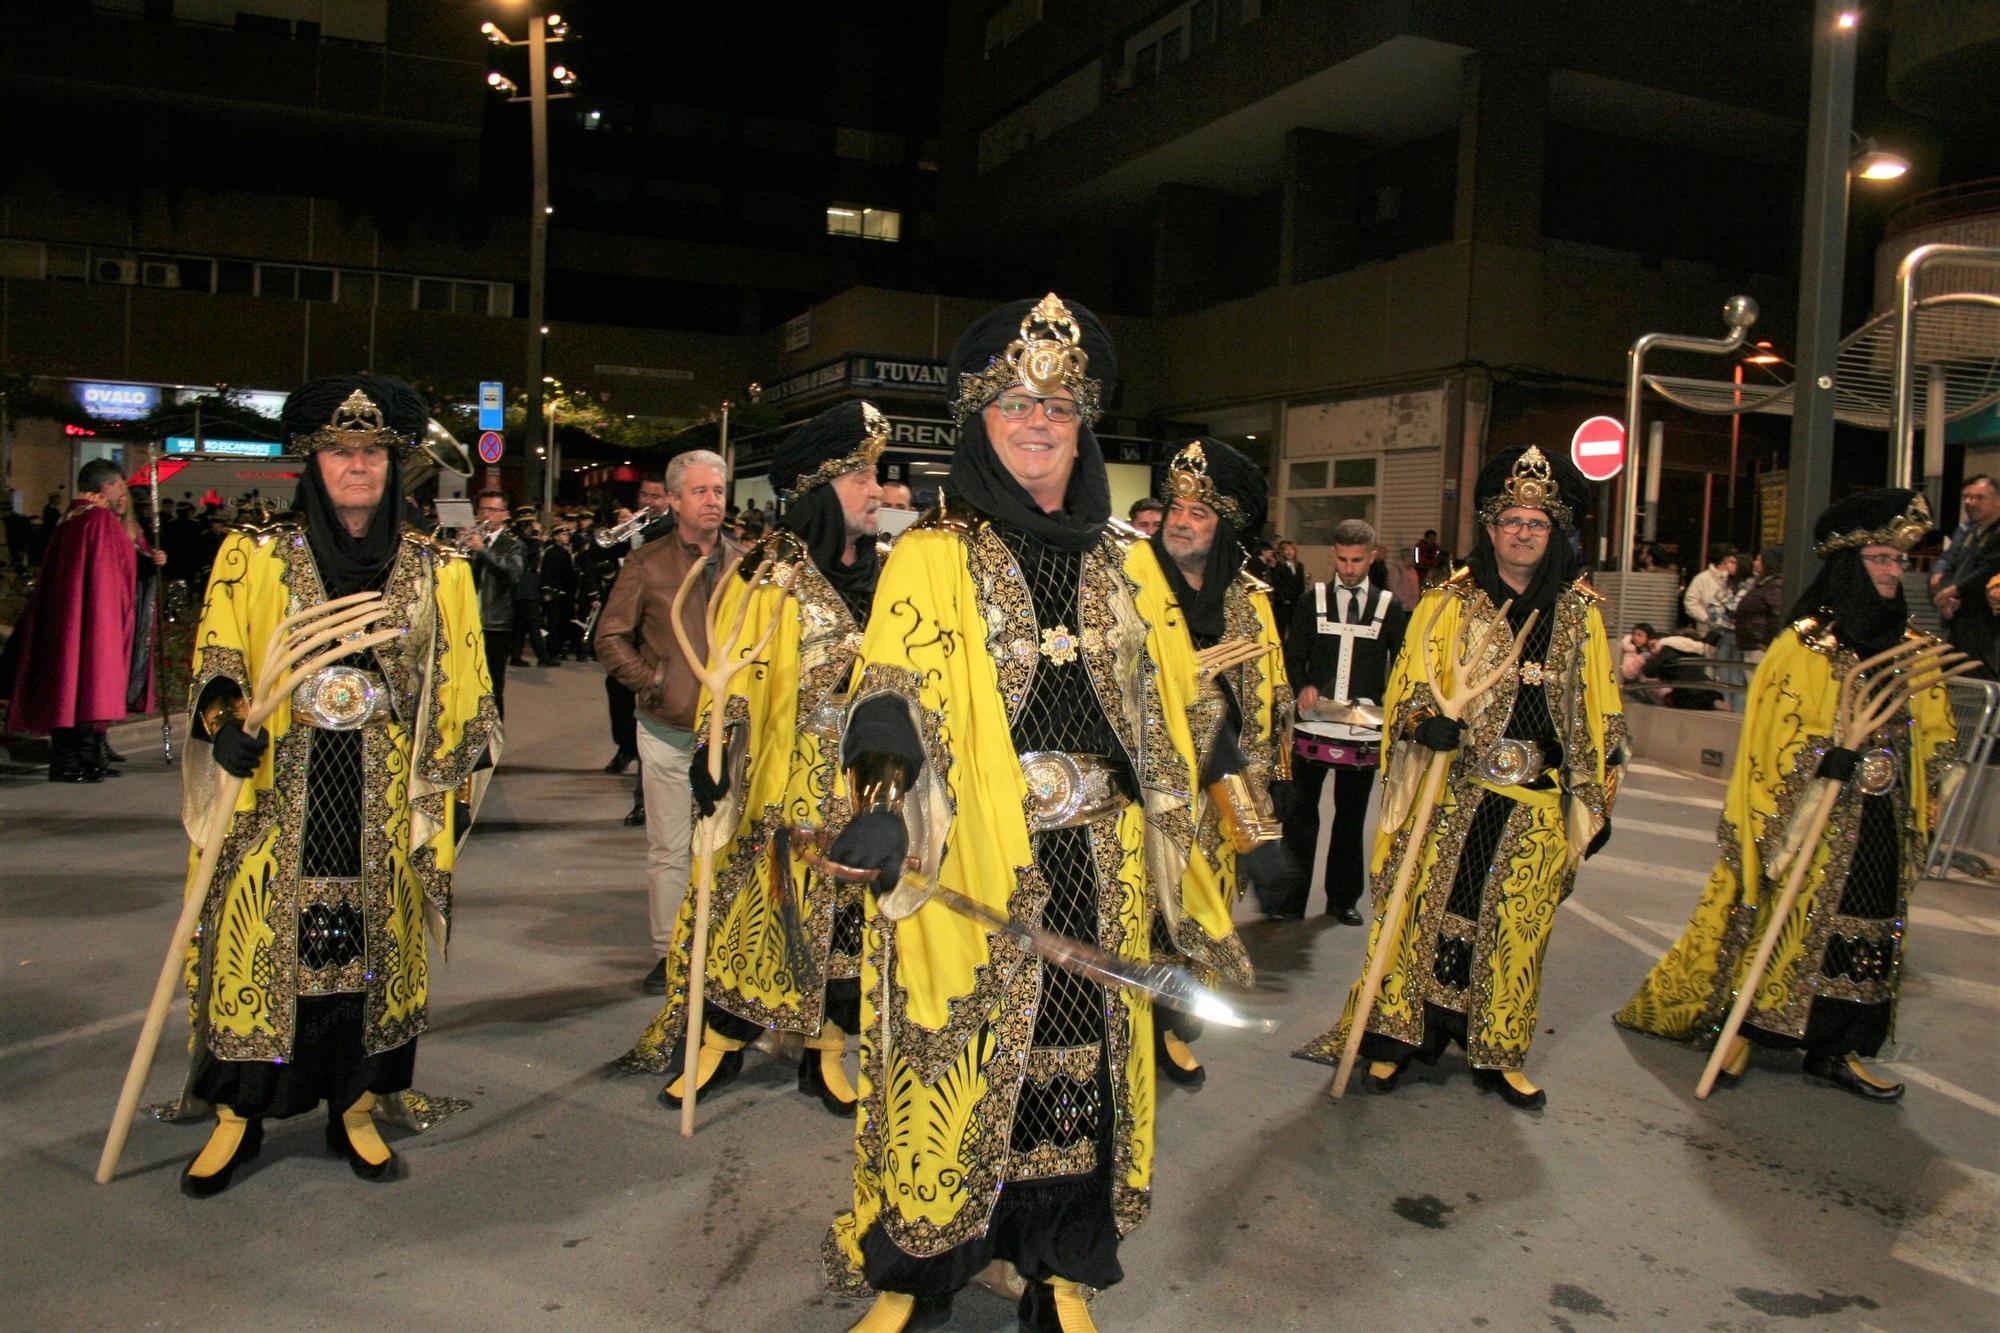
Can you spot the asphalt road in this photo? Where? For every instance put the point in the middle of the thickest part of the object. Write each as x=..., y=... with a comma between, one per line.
x=565, y=1199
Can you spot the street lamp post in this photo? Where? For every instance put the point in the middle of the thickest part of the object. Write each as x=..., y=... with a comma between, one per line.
x=542, y=33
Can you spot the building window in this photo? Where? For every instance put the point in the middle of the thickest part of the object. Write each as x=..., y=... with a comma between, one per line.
x=1320, y=493
x=1172, y=38
x=870, y=224
x=21, y=259
x=1009, y=21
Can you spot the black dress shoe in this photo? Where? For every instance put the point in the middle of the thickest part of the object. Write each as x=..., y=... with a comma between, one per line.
x=75, y=770
x=620, y=761
x=1492, y=1080
x=1836, y=1070
x=521, y=662
x=207, y=1187
x=105, y=753
x=656, y=980
x=1347, y=916
x=636, y=815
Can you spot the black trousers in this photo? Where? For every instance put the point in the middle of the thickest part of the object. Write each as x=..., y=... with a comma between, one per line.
x=1346, y=854
x=624, y=721
x=499, y=647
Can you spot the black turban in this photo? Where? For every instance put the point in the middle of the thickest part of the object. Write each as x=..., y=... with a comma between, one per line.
x=842, y=439
x=1862, y=619
x=1225, y=480
x=1547, y=482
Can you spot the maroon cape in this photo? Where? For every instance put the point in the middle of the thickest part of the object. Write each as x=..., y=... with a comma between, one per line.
x=75, y=637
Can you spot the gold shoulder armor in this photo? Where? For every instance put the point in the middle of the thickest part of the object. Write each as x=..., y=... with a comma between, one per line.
x=263, y=534
x=778, y=553
x=1123, y=533
x=1250, y=582
x=950, y=515
x=1585, y=589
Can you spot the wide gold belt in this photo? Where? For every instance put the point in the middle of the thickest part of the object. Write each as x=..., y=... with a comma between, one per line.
x=1067, y=790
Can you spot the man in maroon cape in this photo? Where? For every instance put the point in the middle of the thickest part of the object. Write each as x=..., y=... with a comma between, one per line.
x=73, y=662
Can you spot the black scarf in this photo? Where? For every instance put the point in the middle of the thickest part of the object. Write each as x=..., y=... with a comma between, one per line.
x=1556, y=572
x=348, y=563
x=1203, y=608
x=1863, y=620
x=978, y=478
x=821, y=526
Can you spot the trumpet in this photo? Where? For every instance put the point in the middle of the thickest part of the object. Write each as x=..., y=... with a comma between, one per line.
x=624, y=532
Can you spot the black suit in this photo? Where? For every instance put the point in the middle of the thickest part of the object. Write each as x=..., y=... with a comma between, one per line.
x=1288, y=584
x=1974, y=628
x=1314, y=656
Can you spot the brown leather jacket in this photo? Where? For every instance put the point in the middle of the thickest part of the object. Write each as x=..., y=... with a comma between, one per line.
x=635, y=631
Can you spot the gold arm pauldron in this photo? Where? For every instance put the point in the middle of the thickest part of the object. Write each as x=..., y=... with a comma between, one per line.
x=876, y=781
x=216, y=709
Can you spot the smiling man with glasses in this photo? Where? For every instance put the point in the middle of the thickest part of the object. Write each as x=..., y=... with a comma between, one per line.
x=1534, y=771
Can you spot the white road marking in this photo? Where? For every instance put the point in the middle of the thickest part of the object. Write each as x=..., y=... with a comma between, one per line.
x=1954, y=1216
x=1936, y=918
x=1984, y=994
x=49, y=1039
x=1912, y=1074
x=1629, y=792
x=1701, y=833
x=1656, y=771
x=1662, y=874
x=1671, y=934
x=1613, y=929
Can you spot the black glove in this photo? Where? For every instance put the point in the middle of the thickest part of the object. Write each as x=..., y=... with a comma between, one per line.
x=237, y=752
x=875, y=840
x=1285, y=800
x=1838, y=764
x=1600, y=842
x=708, y=793
x=1440, y=733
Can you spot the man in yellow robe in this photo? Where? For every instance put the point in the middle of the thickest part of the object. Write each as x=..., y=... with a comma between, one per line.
x=1831, y=986
x=1021, y=729
x=784, y=948
x=1529, y=792
x=1216, y=505
x=310, y=973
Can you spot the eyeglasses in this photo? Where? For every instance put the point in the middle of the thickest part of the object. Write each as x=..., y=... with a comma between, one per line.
x=1888, y=561
x=1017, y=406
x=1534, y=525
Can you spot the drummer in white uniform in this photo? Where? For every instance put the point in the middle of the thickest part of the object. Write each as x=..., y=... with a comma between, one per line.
x=1344, y=637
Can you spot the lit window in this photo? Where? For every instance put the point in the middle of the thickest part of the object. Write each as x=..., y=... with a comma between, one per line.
x=870, y=224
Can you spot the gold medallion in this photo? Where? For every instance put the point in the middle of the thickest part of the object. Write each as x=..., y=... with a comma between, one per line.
x=1059, y=645
x=1533, y=673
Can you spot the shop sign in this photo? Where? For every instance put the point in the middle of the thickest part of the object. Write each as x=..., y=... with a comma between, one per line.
x=925, y=377
x=115, y=402
x=212, y=447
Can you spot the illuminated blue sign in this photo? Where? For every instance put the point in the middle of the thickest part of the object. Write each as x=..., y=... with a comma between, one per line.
x=116, y=402
x=216, y=448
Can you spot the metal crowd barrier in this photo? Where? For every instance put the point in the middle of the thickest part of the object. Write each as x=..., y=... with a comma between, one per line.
x=1975, y=704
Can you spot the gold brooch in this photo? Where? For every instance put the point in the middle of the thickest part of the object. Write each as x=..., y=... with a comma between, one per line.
x=1059, y=645
x=1533, y=673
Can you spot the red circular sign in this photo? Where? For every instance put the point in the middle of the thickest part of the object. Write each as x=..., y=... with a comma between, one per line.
x=491, y=445
x=1598, y=448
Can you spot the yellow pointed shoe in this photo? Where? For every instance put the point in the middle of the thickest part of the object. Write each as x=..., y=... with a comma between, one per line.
x=353, y=1135
x=1850, y=1075
x=1055, y=1306
x=1513, y=1087
x=717, y=1065
x=897, y=1311
x=1738, y=1062
x=822, y=1073
x=1180, y=1065
x=231, y=1143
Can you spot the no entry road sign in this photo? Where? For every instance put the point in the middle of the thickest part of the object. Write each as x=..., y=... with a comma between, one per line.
x=491, y=445
x=1598, y=448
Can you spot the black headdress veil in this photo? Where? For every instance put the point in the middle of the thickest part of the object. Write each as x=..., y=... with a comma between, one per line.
x=348, y=563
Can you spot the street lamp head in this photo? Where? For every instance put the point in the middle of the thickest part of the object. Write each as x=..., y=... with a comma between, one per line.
x=1739, y=312
x=1876, y=165
x=491, y=29
x=501, y=83
x=1763, y=356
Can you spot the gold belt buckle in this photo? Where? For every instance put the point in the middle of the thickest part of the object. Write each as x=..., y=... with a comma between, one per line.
x=1875, y=774
x=1066, y=790
x=1511, y=762
x=1244, y=813
x=339, y=698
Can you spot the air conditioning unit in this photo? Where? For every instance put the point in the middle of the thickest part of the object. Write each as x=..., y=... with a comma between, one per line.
x=124, y=271
x=155, y=273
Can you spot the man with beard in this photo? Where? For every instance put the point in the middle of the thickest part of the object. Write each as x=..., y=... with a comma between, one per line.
x=311, y=969
x=636, y=644
x=1343, y=639
x=1021, y=726
x=1535, y=767
x=1832, y=984
x=1217, y=502
x=815, y=575
x=77, y=657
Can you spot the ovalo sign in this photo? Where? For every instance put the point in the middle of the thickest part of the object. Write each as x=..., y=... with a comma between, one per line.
x=115, y=402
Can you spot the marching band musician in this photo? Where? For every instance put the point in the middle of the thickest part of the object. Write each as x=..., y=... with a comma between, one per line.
x=1343, y=638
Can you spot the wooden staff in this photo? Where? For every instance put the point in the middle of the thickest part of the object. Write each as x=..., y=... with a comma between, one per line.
x=716, y=680
x=288, y=657
x=159, y=607
x=1863, y=709
x=1465, y=688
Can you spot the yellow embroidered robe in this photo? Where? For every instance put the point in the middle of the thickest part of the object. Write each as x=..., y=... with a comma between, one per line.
x=947, y=1007
x=243, y=971
x=784, y=717
x=1787, y=728
x=1534, y=864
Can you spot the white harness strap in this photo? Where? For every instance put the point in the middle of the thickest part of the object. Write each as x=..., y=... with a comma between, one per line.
x=1371, y=628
